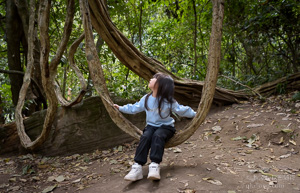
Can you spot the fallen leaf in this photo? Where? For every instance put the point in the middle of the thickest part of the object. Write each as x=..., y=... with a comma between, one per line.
x=285, y=156
x=286, y=130
x=12, y=179
x=292, y=142
x=81, y=187
x=253, y=171
x=120, y=148
x=281, y=140
x=23, y=180
x=267, y=174
x=272, y=183
x=219, y=156
x=49, y=189
x=60, y=179
x=238, y=138
x=255, y=125
x=217, y=138
x=177, y=150
x=84, y=168
x=42, y=166
x=51, y=178
x=231, y=171
x=186, y=191
x=212, y=181
x=185, y=182
x=14, y=188
x=36, y=178
x=112, y=162
x=216, y=129
x=4, y=185
x=76, y=181
x=251, y=140
x=205, y=179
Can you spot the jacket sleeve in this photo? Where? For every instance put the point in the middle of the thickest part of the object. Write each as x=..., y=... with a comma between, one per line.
x=133, y=108
x=183, y=111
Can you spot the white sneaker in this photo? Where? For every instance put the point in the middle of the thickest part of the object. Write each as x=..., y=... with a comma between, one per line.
x=154, y=171
x=136, y=173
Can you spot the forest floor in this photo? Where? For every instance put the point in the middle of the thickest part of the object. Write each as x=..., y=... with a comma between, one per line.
x=248, y=147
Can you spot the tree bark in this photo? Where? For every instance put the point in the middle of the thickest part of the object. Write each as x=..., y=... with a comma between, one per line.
x=82, y=128
x=81, y=78
x=36, y=89
x=2, y=120
x=98, y=76
x=14, y=37
x=195, y=39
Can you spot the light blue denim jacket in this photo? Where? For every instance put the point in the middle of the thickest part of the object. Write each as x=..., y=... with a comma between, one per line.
x=152, y=116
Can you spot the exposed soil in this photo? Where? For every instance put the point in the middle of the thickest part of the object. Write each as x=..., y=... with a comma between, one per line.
x=248, y=147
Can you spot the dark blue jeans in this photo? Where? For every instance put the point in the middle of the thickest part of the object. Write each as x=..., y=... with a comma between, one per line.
x=153, y=138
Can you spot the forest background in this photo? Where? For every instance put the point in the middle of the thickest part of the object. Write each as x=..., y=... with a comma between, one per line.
x=260, y=44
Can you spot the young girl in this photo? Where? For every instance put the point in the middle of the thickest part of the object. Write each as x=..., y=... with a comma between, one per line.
x=158, y=104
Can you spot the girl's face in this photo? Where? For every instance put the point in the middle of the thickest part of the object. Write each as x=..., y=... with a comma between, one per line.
x=151, y=84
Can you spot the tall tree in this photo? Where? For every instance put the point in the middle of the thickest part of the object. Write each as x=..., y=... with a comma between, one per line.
x=17, y=33
x=15, y=36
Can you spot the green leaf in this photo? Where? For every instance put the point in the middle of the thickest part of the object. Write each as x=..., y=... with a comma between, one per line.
x=238, y=138
x=286, y=130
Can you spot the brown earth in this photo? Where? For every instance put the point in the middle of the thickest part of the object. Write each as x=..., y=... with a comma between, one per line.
x=248, y=147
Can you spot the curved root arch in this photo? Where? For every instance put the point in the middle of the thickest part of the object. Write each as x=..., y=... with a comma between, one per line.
x=208, y=88
x=146, y=67
x=51, y=111
x=98, y=77
x=83, y=84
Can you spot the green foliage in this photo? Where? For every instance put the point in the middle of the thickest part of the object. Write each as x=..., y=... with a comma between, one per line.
x=259, y=44
x=259, y=40
x=6, y=105
x=296, y=96
x=281, y=88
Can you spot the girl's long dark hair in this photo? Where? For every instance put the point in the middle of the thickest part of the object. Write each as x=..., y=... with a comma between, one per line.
x=165, y=91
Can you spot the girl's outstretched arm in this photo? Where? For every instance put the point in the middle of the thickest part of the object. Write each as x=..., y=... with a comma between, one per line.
x=133, y=108
x=183, y=111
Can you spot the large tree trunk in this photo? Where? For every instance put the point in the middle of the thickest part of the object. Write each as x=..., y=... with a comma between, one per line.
x=2, y=120
x=14, y=37
x=284, y=84
x=17, y=33
x=37, y=89
x=79, y=129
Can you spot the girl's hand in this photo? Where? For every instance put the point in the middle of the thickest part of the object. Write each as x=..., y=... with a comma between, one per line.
x=116, y=106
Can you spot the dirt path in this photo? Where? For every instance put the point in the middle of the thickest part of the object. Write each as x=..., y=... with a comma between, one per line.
x=249, y=147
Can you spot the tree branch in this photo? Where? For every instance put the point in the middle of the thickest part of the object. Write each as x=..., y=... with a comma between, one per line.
x=22, y=73
x=243, y=85
x=79, y=98
x=66, y=35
